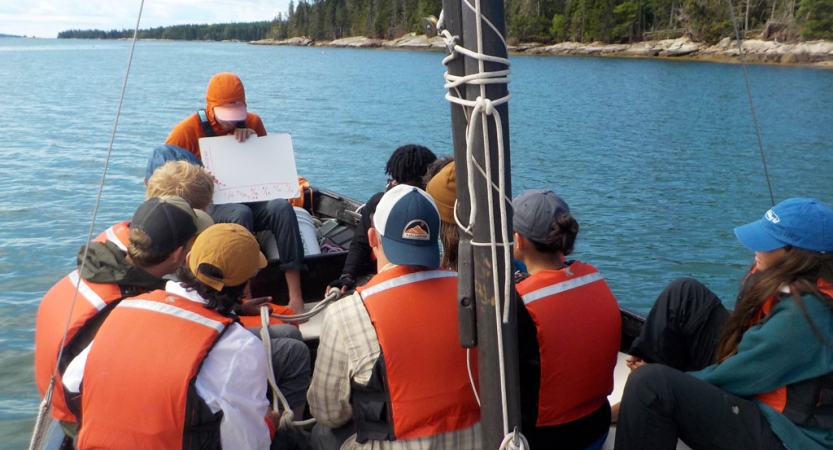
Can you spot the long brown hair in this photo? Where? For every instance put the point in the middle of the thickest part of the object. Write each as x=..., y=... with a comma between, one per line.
x=450, y=237
x=799, y=270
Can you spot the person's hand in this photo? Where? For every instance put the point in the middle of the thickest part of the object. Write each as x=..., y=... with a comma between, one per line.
x=274, y=417
x=614, y=412
x=213, y=178
x=344, y=283
x=252, y=307
x=297, y=305
x=241, y=134
x=633, y=362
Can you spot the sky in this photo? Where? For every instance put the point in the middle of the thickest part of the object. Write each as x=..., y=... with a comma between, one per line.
x=45, y=18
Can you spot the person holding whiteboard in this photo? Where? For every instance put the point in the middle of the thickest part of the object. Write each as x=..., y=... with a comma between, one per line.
x=226, y=114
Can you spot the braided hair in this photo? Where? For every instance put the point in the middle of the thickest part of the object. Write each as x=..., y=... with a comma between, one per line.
x=408, y=164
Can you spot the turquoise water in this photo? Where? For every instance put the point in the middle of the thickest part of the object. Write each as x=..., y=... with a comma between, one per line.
x=658, y=159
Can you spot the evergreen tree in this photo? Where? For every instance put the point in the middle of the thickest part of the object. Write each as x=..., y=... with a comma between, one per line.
x=625, y=17
x=539, y=20
x=816, y=19
x=709, y=20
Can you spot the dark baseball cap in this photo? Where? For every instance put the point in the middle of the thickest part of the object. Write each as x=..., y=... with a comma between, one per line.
x=169, y=222
x=535, y=210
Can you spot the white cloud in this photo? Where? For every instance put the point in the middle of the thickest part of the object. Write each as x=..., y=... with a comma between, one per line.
x=47, y=18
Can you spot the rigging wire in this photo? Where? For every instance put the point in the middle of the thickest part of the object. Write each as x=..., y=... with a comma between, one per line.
x=38, y=433
x=751, y=102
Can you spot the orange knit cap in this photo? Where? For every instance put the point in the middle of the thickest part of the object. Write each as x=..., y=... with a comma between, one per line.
x=443, y=189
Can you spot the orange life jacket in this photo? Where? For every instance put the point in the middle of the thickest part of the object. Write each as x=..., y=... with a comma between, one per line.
x=578, y=326
x=419, y=385
x=92, y=305
x=154, y=344
x=304, y=198
x=807, y=403
x=118, y=234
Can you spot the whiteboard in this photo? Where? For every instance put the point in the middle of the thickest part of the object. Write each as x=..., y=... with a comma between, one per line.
x=259, y=169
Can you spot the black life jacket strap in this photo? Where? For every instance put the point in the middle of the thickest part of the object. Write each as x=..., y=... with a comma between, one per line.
x=810, y=402
x=372, y=408
x=206, y=124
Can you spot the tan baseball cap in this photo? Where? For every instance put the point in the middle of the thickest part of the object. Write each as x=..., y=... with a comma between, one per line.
x=225, y=254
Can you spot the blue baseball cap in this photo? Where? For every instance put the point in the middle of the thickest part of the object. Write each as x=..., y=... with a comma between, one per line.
x=799, y=222
x=409, y=223
x=165, y=153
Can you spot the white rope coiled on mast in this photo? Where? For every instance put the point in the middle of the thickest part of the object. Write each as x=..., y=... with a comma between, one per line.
x=483, y=108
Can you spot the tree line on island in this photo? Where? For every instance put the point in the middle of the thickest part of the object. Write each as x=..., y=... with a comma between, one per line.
x=548, y=21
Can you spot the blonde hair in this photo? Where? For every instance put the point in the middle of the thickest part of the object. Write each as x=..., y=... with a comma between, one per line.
x=184, y=179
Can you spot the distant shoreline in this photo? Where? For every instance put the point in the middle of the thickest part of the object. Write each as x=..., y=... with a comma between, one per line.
x=811, y=53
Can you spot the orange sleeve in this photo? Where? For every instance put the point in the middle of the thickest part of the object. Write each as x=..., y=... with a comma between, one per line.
x=281, y=310
x=271, y=426
x=254, y=122
x=187, y=134
x=255, y=321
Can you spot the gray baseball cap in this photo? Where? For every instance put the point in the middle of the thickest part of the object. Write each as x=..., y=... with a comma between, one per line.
x=535, y=211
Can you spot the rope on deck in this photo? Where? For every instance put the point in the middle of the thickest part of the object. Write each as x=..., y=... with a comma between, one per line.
x=279, y=402
x=332, y=296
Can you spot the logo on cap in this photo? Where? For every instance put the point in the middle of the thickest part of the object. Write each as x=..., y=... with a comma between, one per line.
x=417, y=230
x=772, y=217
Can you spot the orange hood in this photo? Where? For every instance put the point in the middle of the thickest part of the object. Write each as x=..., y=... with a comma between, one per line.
x=223, y=88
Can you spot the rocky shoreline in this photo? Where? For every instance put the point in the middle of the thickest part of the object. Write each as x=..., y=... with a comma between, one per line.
x=812, y=53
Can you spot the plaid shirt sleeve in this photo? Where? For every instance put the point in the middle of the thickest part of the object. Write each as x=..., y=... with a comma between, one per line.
x=347, y=350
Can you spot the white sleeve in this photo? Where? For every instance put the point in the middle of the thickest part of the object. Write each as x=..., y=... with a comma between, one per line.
x=233, y=379
x=75, y=371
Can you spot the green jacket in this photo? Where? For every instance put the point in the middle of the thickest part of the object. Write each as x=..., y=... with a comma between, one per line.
x=106, y=263
x=781, y=350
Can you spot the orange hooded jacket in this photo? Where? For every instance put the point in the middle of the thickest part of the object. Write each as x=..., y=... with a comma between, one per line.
x=223, y=88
